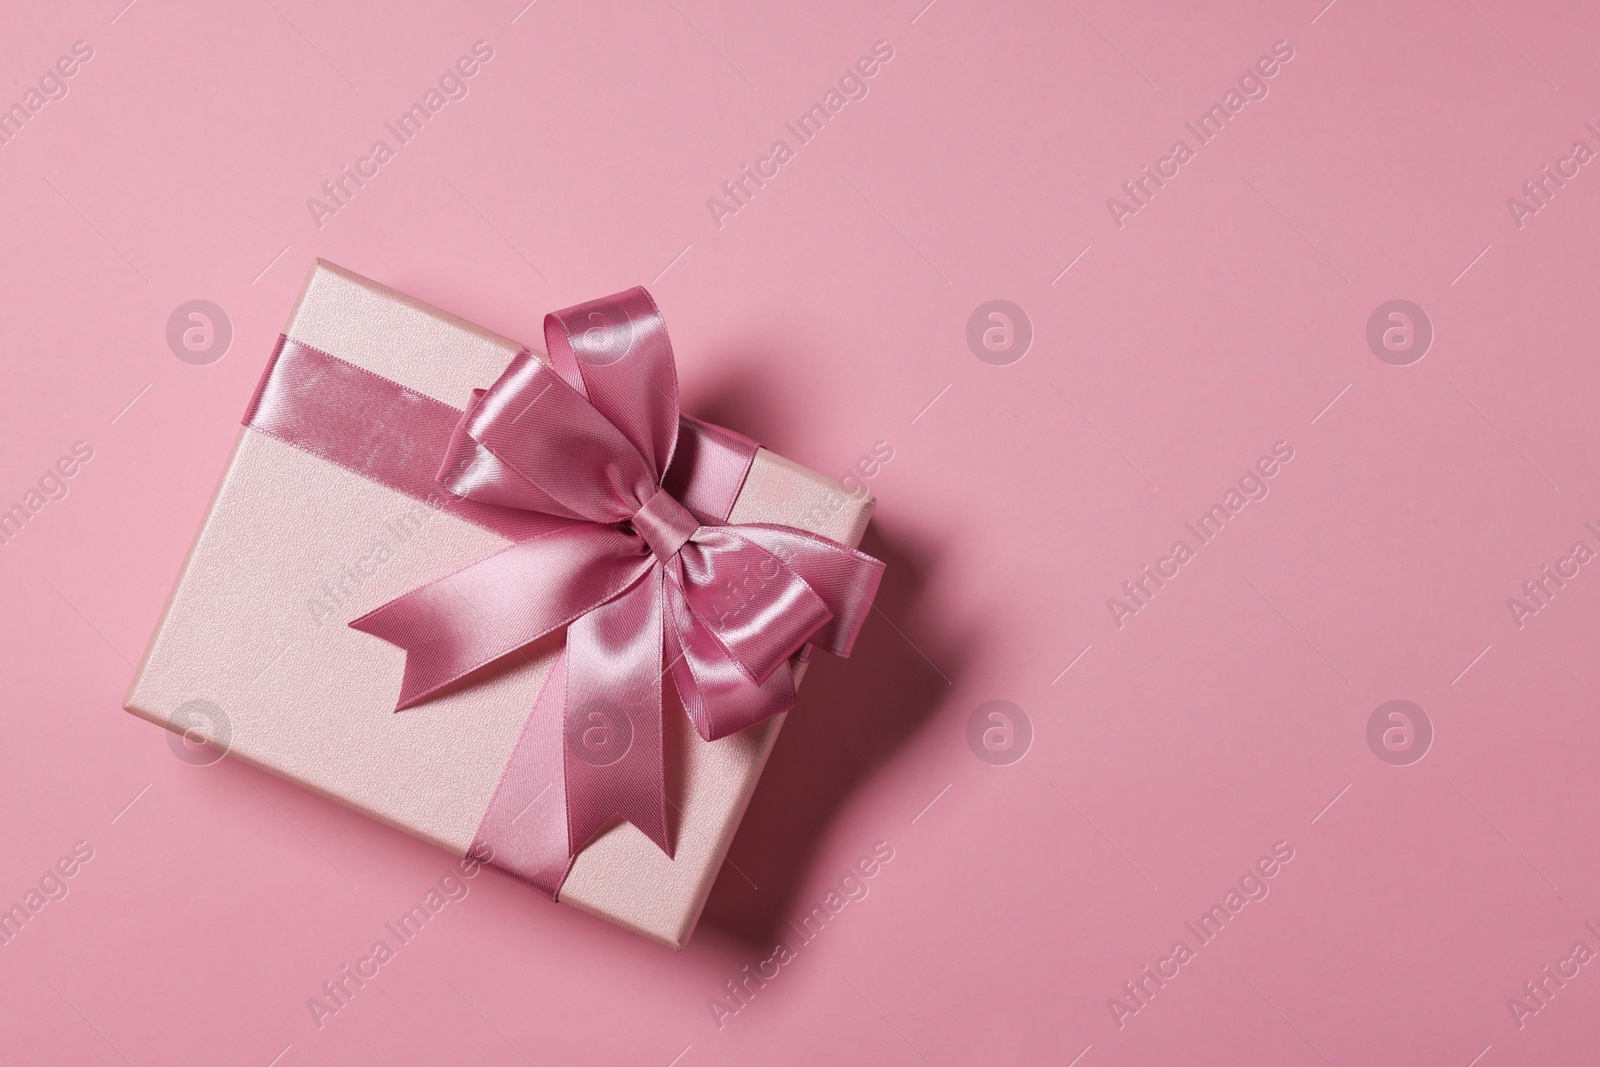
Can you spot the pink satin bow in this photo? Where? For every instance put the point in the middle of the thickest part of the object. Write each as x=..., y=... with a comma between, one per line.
x=644, y=581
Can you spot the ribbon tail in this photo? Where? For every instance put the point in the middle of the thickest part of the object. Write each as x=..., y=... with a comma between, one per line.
x=491, y=608
x=612, y=747
x=524, y=830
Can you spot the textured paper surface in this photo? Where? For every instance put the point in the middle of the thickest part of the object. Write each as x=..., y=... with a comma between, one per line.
x=295, y=547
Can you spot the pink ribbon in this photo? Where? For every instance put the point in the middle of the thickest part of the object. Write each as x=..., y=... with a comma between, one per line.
x=617, y=507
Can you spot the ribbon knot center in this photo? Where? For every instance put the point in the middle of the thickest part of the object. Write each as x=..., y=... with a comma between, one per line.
x=665, y=525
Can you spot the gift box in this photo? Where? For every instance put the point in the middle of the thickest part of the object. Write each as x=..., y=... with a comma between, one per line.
x=255, y=651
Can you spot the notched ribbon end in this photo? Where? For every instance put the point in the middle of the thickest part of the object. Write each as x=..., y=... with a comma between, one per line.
x=414, y=689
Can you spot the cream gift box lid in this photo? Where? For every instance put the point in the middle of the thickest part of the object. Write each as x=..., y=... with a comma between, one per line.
x=294, y=547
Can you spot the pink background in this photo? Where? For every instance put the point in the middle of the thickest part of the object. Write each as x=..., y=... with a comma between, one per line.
x=1230, y=713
